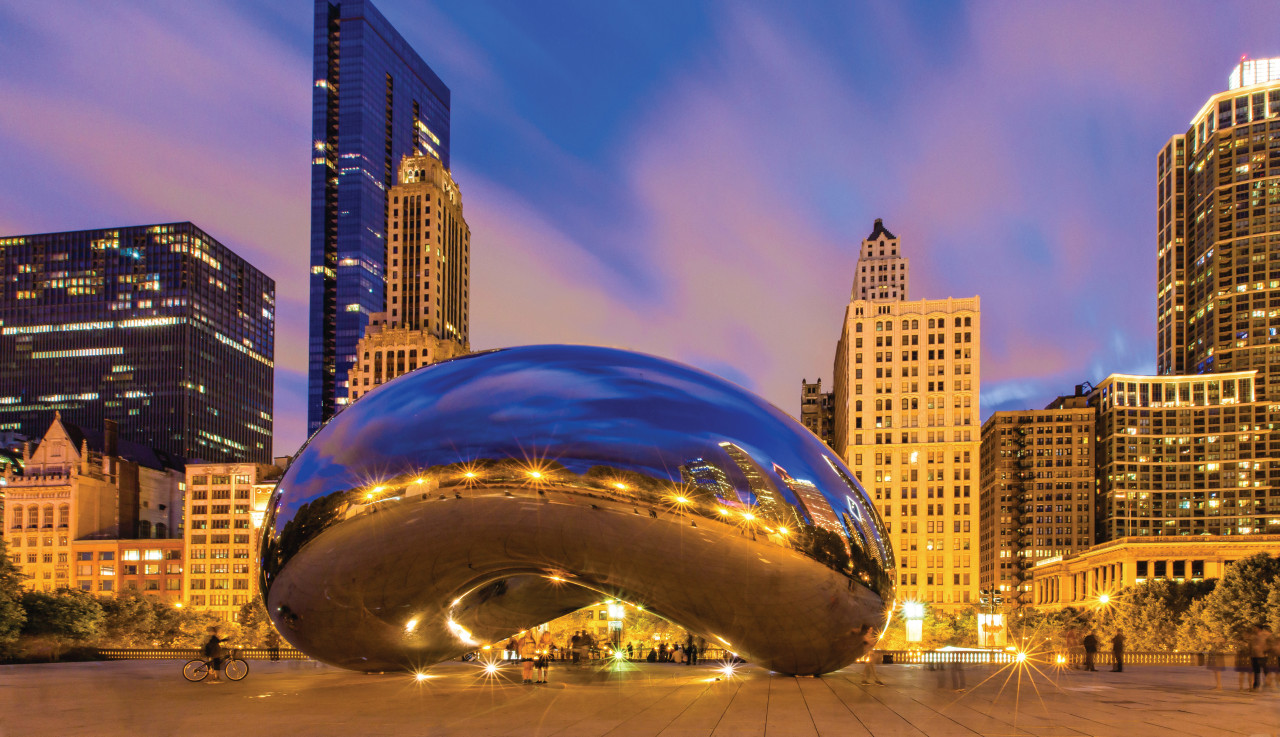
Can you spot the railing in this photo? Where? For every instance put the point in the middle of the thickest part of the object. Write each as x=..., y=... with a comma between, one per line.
x=146, y=653
x=1073, y=657
x=898, y=657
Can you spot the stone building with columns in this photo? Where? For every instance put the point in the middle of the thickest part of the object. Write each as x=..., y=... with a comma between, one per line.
x=1078, y=580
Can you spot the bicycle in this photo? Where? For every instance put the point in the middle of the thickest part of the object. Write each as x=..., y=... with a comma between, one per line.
x=234, y=668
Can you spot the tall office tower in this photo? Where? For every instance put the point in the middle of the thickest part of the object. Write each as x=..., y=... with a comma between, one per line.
x=1185, y=455
x=818, y=410
x=226, y=506
x=1219, y=234
x=96, y=512
x=160, y=328
x=429, y=278
x=906, y=421
x=1037, y=489
x=374, y=101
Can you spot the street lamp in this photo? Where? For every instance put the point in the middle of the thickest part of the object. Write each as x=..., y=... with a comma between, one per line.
x=913, y=612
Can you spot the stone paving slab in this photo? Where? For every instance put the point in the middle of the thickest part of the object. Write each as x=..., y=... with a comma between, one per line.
x=150, y=698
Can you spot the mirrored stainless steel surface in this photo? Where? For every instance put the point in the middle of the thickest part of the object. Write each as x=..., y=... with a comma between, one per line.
x=471, y=499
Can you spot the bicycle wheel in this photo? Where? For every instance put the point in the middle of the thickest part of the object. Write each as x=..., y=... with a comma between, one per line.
x=195, y=670
x=235, y=669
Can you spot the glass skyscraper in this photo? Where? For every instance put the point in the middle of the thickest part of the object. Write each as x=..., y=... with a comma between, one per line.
x=158, y=327
x=374, y=101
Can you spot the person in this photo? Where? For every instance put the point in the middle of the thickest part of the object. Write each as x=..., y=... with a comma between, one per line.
x=1242, y=664
x=1259, y=644
x=509, y=650
x=527, y=648
x=1117, y=651
x=213, y=651
x=691, y=650
x=662, y=652
x=575, y=644
x=677, y=655
x=543, y=662
x=869, y=670
x=588, y=646
x=1213, y=662
x=631, y=653
x=1090, y=650
x=652, y=657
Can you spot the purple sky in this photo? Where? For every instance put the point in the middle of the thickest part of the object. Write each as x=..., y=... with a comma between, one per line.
x=687, y=180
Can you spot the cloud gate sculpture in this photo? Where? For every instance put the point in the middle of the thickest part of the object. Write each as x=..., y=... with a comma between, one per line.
x=471, y=499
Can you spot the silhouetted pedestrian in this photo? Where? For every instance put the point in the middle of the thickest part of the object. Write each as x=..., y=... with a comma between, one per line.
x=1259, y=645
x=869, y=639
x=1090, y=650
x=1117, y=652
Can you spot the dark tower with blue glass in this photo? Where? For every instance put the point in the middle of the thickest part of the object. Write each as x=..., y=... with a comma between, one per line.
x=374, y=100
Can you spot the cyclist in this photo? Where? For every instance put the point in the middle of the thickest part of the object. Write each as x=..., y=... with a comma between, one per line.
x=213, y=650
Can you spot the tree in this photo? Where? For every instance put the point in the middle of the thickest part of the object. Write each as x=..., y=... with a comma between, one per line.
x=12, y=614
x=1240, y=600
x=1146, y=617
x=256, y=628
x=67, y=614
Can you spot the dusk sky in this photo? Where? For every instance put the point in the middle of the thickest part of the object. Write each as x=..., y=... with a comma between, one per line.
x=685, y=179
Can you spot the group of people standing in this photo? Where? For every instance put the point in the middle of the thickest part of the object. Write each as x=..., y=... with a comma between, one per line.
x=534, y=649
x=1090, y=644
x=1257, y=653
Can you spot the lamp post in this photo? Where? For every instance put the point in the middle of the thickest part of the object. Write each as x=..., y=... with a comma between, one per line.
x=913, y=613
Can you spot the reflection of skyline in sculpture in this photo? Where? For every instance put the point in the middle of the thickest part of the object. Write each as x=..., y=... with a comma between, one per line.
x=468, y=500
x=811, y=501
x=764, y=494
x=702, y=475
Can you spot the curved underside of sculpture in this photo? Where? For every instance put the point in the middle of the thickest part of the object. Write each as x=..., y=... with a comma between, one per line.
x=472, y=499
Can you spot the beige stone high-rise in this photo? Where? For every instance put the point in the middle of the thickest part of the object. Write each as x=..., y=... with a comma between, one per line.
x=907, y=421
x=427, y=316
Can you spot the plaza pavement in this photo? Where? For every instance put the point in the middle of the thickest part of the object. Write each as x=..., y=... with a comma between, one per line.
x=301, y=698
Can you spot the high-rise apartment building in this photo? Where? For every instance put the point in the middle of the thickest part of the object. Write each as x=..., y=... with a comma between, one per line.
x=160, y=328
x=226, y=506
x=96, y=512
x=1037, y=483
x=428, y=279
x=818, y=410
x=906, y=421
x=374, y=101
x=1185, y=455
x=1218, y=234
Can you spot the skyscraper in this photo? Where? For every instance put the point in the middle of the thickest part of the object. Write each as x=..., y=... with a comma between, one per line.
x=1037, y=471
x=906, y=420
x=428, y=287
x=374, y=101
x=160, y=328
x=1218, y=234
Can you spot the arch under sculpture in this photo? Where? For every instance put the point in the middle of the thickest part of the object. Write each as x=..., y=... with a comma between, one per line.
x=471, y=499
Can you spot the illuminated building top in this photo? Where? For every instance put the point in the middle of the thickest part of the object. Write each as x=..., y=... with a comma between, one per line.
x=1251, y=72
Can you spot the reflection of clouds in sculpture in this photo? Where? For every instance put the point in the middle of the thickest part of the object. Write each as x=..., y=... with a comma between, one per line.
x=610, y=433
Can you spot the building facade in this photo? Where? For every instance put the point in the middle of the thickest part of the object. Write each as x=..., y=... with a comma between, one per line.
x=1037, y=479
x=1218, y=234
x=428, y=285
x=159, y=328
x=1080, y=579
x=82, y=498
x=374, y=101
x=226, y=506
x=818, y=410
x=1185, y=455
x=906, y=422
